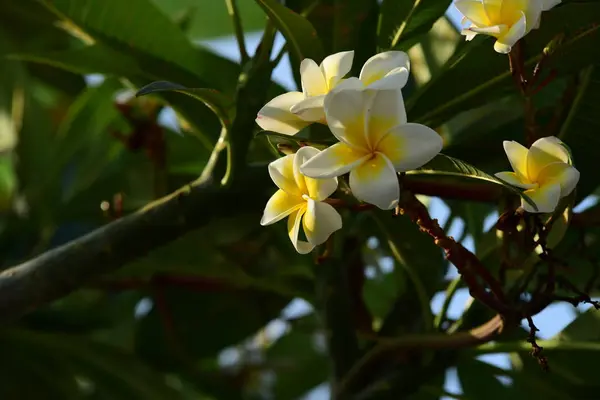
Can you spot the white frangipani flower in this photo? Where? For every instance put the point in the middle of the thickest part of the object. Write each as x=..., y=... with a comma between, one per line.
x=545, y=171
x=292, y=111
x=301, y=199
x=507, y=20
x=375, y=142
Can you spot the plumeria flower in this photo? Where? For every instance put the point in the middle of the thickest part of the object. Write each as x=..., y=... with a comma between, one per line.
x=507, y=20
x=292, y=111
x=375, y=143
x=301, y=200
x=545, y=171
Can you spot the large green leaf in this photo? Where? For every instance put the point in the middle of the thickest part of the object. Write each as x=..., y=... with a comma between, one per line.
x=484, y=74
x=210, y=19
x=478, y=380
x=300, y=35
x=402, y=22
x=578, y=130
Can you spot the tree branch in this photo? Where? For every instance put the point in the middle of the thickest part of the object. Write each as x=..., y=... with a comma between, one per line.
x=62, y=270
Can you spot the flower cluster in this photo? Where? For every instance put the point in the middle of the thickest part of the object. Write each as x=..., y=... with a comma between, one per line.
x=506, y=20
x=367, y=116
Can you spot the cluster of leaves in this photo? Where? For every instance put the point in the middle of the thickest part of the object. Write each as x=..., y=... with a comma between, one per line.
x=76, y=156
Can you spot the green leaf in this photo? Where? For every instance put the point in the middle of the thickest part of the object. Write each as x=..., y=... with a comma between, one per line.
x=443, y=165
x=402, y=22
x=578, y=127
x=299, y=364
x=220, y=104
x=484, y=74
x=478, y=380
x=300, y=35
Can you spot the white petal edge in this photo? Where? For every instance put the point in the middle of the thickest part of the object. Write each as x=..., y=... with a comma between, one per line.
x=334, y=161
x=279, y=206
x=410, y=146
x=381, y=64
x=336, y=66
x=545, y=198
x=375, y=182
x=281, y=172
x=316, y=189
x=310, y=109
x=294, y=221
x=395, y=79
x=515, y=33
x=517, y=157
x=320, y=221
x=513, y=179
x=563, y=174
x=276, y=116
x=313, y=81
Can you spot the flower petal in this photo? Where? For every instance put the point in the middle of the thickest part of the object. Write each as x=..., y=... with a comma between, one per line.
x=545, y=197
x=513, y=179
x=313, y=81
x=382, y=64
x=320, y=221
x=543, y=152
x=375, y=181
x=473, y=11
x=334, y=161
x=294, y=220
x=506, y=41
x=345, y=111
x=276, y=116
x=316, y=189
x=279, y=206
x=410, y=146
x=395, y=79
x=386, y=111
x=282, y=173
x=563, y=174
x=517, y=156
x=310, y=109
x=336, y=66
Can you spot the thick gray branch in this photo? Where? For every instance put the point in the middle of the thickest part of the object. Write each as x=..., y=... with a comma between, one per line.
x=62, y=270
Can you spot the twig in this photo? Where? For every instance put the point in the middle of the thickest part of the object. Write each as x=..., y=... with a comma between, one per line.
x=234, y=13
x=536, y=350
x=481, y=334
x=465, y=261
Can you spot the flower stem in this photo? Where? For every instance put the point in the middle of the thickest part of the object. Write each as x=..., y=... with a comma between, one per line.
x=234, y=13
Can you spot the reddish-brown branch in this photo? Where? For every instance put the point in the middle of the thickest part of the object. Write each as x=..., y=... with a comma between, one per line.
x=465, y=261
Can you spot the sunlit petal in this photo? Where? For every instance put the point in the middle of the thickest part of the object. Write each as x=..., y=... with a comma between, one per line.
x=334, y=161
x=494, y=30
x=294, y=221
x=310, y=109
x=386, y=111
x=276, y=115
x=279, y=206
x=320, y=221
x=517, y=156
x=513, y=35
x=316, y=189
x=545, y=197
x=472, y=10
x=382, y=64
x=375, y=181
x=282, y=173
x=336, y=66
x=395, y=79
x=410, y=146
x=313, y=81
x=345, y=113
x=563, y=174
x=545, y=151
x=513, y=179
